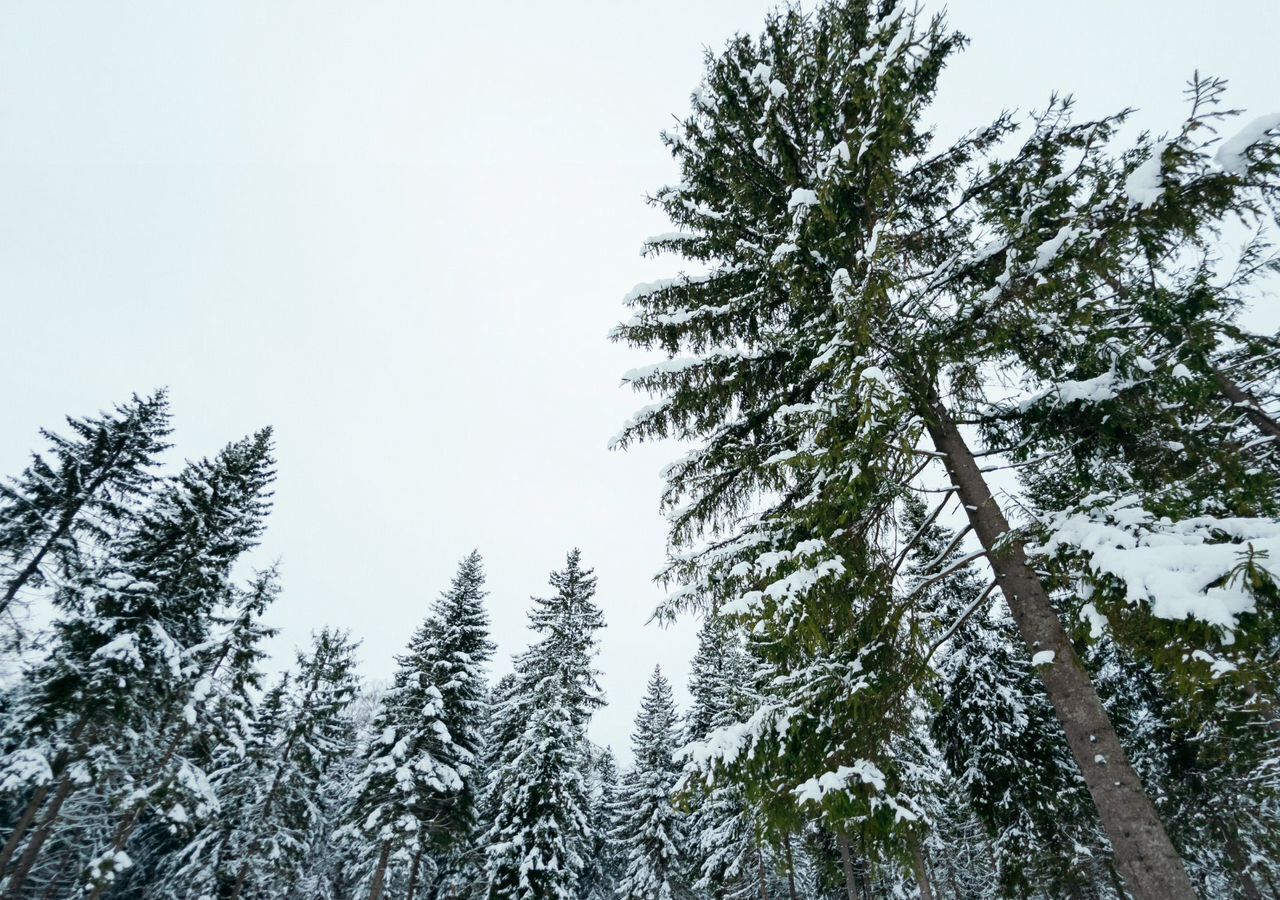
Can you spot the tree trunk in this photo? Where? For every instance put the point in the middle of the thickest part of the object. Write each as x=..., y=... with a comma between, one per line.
x=23, y=825
x=846, y=862
x=1144, y=855
x=1241, y=864
x=922, y=872
x=269, y=804
x=764, y=883
x=413, y=876
x=1240, y=398
x=791, y=873
x=134, y=815
x=380, y=873
x=33, y=566
x=36, y=803
x=51, y=892
x=32, y=852
x=65, y=522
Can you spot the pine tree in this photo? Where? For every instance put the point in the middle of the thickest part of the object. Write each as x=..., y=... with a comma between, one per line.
x=604, y=862
x=537, y=796
x=79, y=494
x=651, y=833
x=170, y=781
x=838, y=348
x=127, y=622
x=305, y=734
x=417, y=793
x=723, y=833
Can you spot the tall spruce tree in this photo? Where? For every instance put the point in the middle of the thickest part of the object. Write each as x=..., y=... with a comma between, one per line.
x=170, y=788
x=415, y=800
x=306, y=734
x=126, y=624
x=537, y=795
x=652, y=833
x=723, y=833
x=604, y=860
x=79, y=492
x=837, y=349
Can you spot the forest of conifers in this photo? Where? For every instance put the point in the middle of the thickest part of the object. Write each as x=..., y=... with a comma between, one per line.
x=978, y=508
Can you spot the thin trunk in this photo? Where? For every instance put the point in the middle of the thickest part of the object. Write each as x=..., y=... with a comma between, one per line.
x=413, y=876
x=51, y=892
x=764, y=884
x=791, y=873
x=269, y=803
x=951, y=880
x=380, y=873
x=1240, y=863
x=922, y=872
x=1241, y=399
x=23, y=825
x=36, y=803
x=65, y=521
x=1144, y=855
x=33, y=566
x=134, y=816
x=32, y=852
x=846, y=861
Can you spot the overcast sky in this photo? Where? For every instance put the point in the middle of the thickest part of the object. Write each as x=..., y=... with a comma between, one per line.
x=400, y=231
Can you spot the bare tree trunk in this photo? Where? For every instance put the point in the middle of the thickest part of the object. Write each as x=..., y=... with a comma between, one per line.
x=1240, y=398
x=51, y=892
x=32, y=851
x=36, y=802
x=1241, y=864
x=791, y=873
x=922, y=872
x=1144, y=855
x=23, y=825
x=375, y=886
x=413, y=876
x=846, y=861
x=764, y=884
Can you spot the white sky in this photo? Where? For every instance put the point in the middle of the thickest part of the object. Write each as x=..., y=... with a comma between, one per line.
x=400, y=231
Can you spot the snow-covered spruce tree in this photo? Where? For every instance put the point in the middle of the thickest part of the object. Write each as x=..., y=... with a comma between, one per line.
x=78, y=492
x=605, y=862
x=958, y=849
x=1144, y=440
x=306, y=736
x=168, y=789
x=126, y=623
x=1005, y=750
x=835, y=356
x=537, y=795
x=417, y=792
x=723, y=831
x=1132, y=420
x=651, y=833
x=334, y=864
x=992, y=724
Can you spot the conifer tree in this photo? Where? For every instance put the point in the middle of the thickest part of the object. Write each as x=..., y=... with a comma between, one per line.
x=723, y=834
x=79, y=492
x=305, y=735
x=537, y=796
x=604, y=861
x=837, y=350
x=170, y=782
x=126, y=624
x=652, y=832
x=417, y=793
